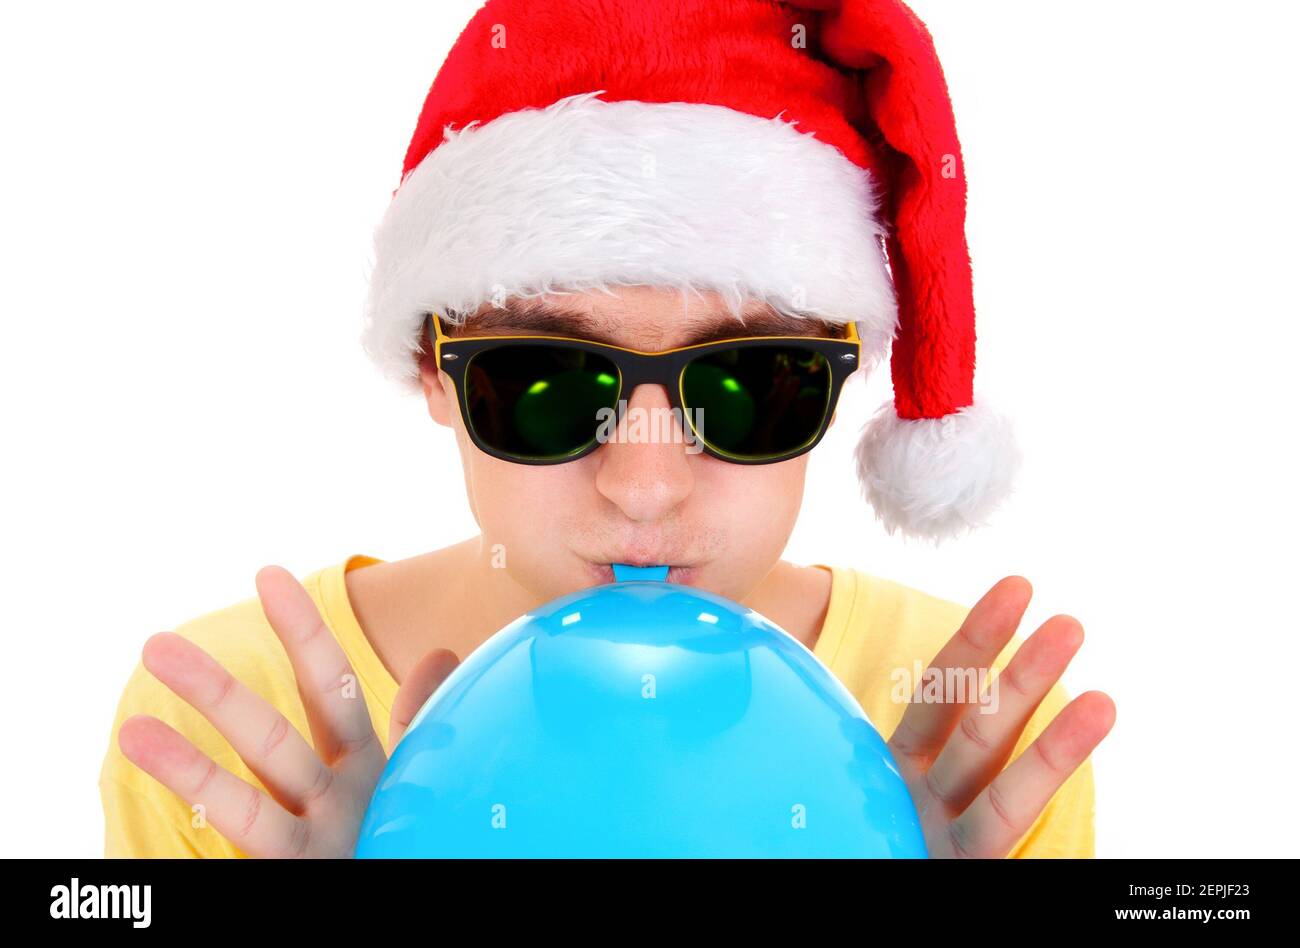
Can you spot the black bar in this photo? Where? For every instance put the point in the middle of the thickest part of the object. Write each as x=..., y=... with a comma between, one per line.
x=383, y=897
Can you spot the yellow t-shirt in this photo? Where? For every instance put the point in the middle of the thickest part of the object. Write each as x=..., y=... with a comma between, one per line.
x=873, y=626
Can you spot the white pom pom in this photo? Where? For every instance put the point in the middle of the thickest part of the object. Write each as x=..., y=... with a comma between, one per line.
x=936, y=478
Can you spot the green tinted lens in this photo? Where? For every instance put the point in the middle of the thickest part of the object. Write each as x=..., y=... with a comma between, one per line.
x=758, y=401
x=538, y=402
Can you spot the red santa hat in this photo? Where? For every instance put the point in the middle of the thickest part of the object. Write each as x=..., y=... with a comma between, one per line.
x=803, y=154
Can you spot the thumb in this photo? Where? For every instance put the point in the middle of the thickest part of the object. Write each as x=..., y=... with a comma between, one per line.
x=421, y=682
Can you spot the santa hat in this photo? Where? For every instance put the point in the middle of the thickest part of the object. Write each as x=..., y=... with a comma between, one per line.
x=802, y=154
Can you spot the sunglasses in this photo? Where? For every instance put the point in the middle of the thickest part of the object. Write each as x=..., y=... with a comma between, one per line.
x=550, y=399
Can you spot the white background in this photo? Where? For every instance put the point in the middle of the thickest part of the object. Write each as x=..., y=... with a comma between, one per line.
x=186, y=203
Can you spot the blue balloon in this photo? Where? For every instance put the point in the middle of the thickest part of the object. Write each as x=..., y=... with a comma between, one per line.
x=641, y=719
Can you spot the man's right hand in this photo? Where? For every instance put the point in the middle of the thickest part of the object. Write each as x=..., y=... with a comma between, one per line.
x=316, y=794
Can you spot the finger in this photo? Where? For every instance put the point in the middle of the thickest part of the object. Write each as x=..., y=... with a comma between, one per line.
x=1006, y=809
x=421, y=682
x=988, y=731
x=336, y=711
x=243, y=814
x=263, y=737
x=985, y=632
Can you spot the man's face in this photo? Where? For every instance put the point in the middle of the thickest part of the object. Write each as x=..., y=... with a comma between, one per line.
x=649, y=501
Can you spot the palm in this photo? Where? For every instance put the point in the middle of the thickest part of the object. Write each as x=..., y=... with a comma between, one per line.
x=952, y=754
x=315, y=793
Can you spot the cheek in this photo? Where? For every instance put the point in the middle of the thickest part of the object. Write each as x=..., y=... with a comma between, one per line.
x=534, y=518
x=754, y=508
x=744, y=515
x=524, y=511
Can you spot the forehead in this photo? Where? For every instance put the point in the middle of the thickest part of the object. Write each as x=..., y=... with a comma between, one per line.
x=637, y=318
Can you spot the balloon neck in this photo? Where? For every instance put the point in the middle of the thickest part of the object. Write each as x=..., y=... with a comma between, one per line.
x=623, y=573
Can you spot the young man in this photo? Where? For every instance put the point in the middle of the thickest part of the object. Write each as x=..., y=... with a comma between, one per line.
x=598, y=172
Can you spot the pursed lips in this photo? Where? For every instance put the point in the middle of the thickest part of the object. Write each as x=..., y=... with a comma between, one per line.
x=603, y=572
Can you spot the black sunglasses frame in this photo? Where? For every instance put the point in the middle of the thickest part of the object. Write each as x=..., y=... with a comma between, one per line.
x=636, y=367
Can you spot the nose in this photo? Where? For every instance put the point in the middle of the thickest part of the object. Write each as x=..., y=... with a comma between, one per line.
x=645, y=469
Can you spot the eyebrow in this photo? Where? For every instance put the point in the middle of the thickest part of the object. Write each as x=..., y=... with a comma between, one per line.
x=530, y=316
